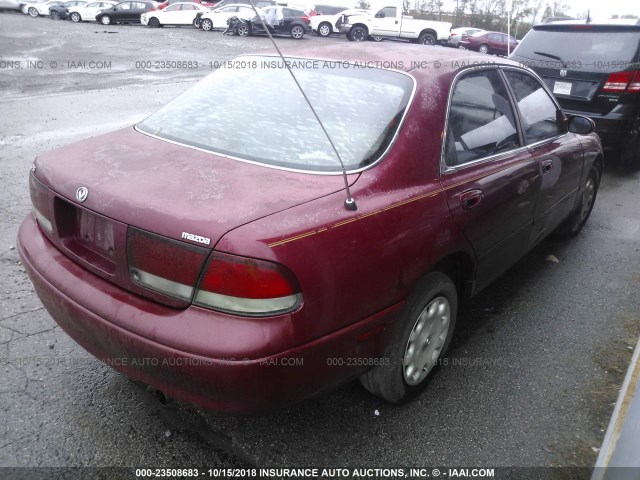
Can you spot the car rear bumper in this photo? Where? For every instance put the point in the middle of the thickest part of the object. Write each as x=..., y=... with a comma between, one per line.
x=91, y=311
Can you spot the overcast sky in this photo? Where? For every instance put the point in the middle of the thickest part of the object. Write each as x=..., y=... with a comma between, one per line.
x=604, y=8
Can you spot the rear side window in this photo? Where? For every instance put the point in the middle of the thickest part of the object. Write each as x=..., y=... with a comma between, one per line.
x=540, y=119
x=481, y=120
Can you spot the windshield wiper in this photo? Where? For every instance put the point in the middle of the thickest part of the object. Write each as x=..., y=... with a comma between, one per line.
x=555, y=57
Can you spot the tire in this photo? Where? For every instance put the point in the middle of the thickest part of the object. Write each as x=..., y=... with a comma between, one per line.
x=578, y=218
x=105, y=20
x=429, y=319
x=243, y=30
x=358, y=34
x=75, y=17
x=324, y=29
x=153, y=22
x=207, y=24
x=296, y=32
x=484, y=48
x=197, y=23
x=33, y=12
x=54, y=15
x=376, y=39
x=427, y=39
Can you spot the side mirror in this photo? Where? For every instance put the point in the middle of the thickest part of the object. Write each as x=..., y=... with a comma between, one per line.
x=581, y=125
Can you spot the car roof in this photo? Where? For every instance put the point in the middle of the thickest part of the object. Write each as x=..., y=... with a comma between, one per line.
x=398, y=55
x=616, y=25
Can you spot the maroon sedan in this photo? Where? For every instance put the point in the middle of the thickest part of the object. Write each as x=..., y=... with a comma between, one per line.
x=213, y=251
x=489, y=42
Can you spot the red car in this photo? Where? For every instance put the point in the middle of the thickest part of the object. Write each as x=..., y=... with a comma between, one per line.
x=489, y=42
x=237, y=272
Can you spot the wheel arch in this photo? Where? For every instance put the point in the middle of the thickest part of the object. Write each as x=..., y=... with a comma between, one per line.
x=460, y=267
x=430, y=31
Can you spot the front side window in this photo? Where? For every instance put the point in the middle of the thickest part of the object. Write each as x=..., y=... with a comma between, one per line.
x=387, y=12
x=258, y=114
x=539, y=114
x=481, y=120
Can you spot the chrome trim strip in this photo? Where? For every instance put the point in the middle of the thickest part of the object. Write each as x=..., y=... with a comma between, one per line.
x=312, y=172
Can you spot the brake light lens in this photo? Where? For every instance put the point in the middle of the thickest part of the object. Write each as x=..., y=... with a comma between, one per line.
x=306, y=19
x=164, y=265
x=247, y=286
x=623, y=82
x=40, y=201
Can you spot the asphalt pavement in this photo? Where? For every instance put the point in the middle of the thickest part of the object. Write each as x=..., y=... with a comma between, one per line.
x=534, y=369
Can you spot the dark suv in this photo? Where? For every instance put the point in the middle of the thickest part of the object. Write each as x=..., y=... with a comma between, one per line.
x=593, y=70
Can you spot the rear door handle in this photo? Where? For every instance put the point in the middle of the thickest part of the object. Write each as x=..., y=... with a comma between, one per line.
x=547, y=166
x=470, y=198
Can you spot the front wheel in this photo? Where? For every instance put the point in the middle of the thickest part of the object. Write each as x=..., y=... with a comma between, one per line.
x=207, y=25
x=483, y=48
x=75, y=17
x=106, y=20
x=578, y=218
x=54, y=15
x=33, y=12
x=427, y=39
x=357, y=34
x=243, y=30
x=324, y=29
x=420, y=338
x=297, y=32
x=154, y=22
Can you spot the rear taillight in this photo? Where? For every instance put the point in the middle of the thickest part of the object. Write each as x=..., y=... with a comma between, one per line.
x=40, y=200
x=247, y=286
x=164, y=265
x=623, y=82
x=306, y=19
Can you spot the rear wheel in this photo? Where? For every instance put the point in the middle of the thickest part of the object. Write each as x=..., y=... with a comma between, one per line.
x=196, y=22
x=427, y=39
x=578, y=218
x=484, y=48
x=54, y=15
x=106, y=20
x=420, y=338
x=207, y=24
x=75, y=17
x=154, y=22
x=375, y=38
x=324, y=29
x=357, y=34
x=297, y=32
x=33, y=12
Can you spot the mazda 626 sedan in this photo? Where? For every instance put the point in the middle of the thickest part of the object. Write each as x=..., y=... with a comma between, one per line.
x=220, y=254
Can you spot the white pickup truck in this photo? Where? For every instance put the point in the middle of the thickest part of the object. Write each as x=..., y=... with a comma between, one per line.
x=389, y=22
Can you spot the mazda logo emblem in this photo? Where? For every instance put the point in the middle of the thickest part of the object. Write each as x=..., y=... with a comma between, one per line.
x=563, y=73
x=82, y=194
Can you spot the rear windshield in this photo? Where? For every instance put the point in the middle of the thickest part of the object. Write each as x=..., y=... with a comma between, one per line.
x=589, y=50
x=254, y=111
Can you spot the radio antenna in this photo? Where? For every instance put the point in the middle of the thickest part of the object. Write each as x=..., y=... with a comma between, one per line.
x=349, y=203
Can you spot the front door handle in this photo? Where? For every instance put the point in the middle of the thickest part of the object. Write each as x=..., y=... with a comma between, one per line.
x=471, y=198
x=547, y=166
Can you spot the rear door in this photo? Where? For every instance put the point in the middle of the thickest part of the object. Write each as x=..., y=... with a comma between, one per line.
x=490, y=178
x=122, y=12
x=558, y=152
x=187, y=14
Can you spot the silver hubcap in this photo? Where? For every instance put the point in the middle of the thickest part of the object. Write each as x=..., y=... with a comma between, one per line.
x=426, y=340
x=75, y=17
x=243, y=31
x=106, y=20
x=324, y=30
x=483, y=49
x=358, y=35
x=587, y=198
x=206, y=25
x=33, y=12
x=296, y=32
